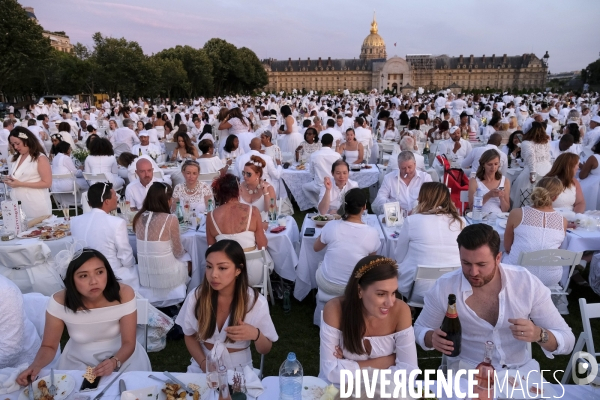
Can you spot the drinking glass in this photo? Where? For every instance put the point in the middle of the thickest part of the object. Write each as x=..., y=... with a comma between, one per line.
x=212, y=374
x=239, y=380
x=186, y=212
x=66, y=212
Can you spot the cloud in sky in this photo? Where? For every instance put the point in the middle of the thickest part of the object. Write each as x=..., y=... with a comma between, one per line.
x=336, y=28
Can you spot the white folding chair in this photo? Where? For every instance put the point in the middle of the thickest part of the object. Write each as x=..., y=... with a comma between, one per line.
x=427, y=273
x=35, y=305
x=434, y=175
x=588, y=311
x=60, y=197
x=464, y=199
x=265, y=284
x=159, y=176
x=208, y=177
x=552, y=258
x=143, y=306
x=94, y=178
x=121, y=148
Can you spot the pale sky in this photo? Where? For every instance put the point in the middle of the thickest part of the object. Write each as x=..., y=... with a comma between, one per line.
x=568, y=30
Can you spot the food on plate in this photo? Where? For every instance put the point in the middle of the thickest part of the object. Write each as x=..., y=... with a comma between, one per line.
x=321, y=218
x=89, y=375
x=61, y=227
x=34, y=233
x=301, y=167
x=330, y=393
x=172, y=391
x=43, y=393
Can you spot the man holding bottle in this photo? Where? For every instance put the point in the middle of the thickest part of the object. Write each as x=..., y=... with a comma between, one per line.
x=501, y=303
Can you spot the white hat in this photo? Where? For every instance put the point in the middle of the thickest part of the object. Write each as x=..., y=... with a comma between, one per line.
x=454, y=129
x=523, y=108
x=553, y=113
x=596, y=119
x=143, y=133
x=273, y=117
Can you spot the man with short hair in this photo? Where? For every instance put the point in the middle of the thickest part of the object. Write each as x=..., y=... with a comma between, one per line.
x=337, y=135
x=564, y=145
x=363, y=136
x=320, y=167
x=498, y=302
x=136, y=191
x=271, y=173
x=101, y=231
x=456, y=148
x=145, y=147
x=472, y=159
x=593, y=135
x=402, y=185
x=125, y=135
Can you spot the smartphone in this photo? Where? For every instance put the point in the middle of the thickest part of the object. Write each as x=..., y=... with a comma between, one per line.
x=309, y=232
x=501, y=188
x=88, y=387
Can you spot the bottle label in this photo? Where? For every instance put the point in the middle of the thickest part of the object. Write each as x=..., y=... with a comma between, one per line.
x=453, y=315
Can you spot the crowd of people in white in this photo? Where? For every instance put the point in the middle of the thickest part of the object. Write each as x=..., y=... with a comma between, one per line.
x=247, y=142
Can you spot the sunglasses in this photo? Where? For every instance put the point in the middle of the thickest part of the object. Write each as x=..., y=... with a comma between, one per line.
x=247, y=174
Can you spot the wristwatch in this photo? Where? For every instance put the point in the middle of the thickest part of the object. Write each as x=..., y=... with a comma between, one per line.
x=118, y=363
x=543, y=336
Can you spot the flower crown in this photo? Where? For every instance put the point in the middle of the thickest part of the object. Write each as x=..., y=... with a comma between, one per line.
x=23, y=135
x=256, y=163
x=375, y=263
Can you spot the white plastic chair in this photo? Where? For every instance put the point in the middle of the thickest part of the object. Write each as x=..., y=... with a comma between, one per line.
x=94, y=178
x=143, y=306
x=464, y=199
x=434, y=175
x=159, y=176
x=588, y=311
x=60, y=197
x=121, y=148
x=35, y=305
x=265, y=284
x=208, y=177
x=427, y=273
x=552, y=258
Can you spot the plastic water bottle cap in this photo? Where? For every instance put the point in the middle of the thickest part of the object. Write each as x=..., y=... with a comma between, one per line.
x=291, y=357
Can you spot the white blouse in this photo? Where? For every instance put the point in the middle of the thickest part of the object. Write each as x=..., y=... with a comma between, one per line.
x=402, y=343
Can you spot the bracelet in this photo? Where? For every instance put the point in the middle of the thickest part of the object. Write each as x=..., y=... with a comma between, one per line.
x=257, y=336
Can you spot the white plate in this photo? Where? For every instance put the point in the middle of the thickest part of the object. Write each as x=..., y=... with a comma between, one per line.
x=501, y=223
x=197, y=379
x=321, y=224
x=503, y=215
x=312, y=388
x=64, y=383
x=534, y=380
x=147, y=393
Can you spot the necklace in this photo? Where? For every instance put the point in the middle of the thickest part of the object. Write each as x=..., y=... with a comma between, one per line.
x=190, y=191
x=251, y=191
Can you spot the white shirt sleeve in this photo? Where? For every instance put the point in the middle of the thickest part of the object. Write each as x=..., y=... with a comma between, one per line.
x=12, y=325
x=384, y=194
x=260, y=318
x=124, y=251
x=431, y=316
x=186, y=317
x=403, y=242
x=330, y=365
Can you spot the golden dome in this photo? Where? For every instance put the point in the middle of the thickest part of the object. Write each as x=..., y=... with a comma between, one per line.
x=373, y=46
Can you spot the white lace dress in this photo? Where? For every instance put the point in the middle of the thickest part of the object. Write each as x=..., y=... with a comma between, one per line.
x=538, y=230
x=162, y=260
x=537, y=159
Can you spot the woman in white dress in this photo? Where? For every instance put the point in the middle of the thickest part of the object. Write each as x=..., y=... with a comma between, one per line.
x=428, y=237
x=221, y=134
x=193, y=191
x=389, y=131
x=100, y=316
x=30, y=174
x=589, y=178
x=236, y=221
x=565, y=168
x=255, y=191
x=351, y=149
x=368, y=326
x=332, y=193
x=309, y=145
x=238, y=125
x=269, y=148
x=62, y=164
x=232, y=148
x=345, y=242
x=494, y=187
x=535, y=151
x=224, y=314
x=102, y=160
x=163, y=263
x=538, y=227
x=64, y=130
x=185, y=148
x=290, y=138
x=208, y=161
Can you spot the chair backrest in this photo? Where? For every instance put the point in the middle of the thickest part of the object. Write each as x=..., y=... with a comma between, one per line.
x=464, y=199
x=208, y=177
x=256, y=254
x=159, y=175
x=549, y=258
x=120, y=148
x=99, y=177
x=142, y=311
x=84, y=203
x=589, y=311
x=434, y=175
x=432, y=273
x=62, y=176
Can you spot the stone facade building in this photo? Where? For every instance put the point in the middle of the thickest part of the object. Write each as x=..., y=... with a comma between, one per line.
x=373, y=70
x=59, y=40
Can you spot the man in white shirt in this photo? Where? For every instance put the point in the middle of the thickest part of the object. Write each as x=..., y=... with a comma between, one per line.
x=7, y=126
x=337, y=135
x=564, y=145
x=363, y=136
x=152, y=133
x=320, y=167
x=271, y=173
x=339, y=125
x=125, y=135
x=107, y=234
x=455, y=148
x=402, y=185
x=145, y=147
x=498, y=302
x=440, y=103
x=458, y=106
x=472, y=159
x=136, y=191
x=407, y=143
x=592, y=136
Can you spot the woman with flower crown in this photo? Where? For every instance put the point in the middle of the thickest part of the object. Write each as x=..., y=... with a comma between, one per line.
x=100, y=316
x=255, y=191
x=368, y=326
x=30, y=174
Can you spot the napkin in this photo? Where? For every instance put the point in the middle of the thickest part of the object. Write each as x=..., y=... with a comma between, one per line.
x=8, y=378
x=254, y=387
x=46, y=219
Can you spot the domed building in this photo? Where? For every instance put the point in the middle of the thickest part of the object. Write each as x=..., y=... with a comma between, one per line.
x=373, y=46
x=373, y=70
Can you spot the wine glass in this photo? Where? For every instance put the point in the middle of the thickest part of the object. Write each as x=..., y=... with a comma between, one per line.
x=212, y=373
x=66, y=212
x=239, y=380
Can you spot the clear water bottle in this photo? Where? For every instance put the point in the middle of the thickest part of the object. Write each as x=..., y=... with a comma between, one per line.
x=477, y=207
x=287, y=302
x=290, y=379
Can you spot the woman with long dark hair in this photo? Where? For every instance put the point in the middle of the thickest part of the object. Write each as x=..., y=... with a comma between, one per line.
x=290, y=137
x=30, y=174
x=185, y=148
x=100, y=316
x=102, y=160
x=232, y=149
x=368, y=326
x=163, y=263
x=513, y=146
x=225, y=314
x=565, y=168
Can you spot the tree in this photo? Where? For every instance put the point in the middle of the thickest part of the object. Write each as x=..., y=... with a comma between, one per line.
x=254, y=75
x=197, y=66
x=23, y=49
x=167, y=74
x=591, y=74
x=227, y=66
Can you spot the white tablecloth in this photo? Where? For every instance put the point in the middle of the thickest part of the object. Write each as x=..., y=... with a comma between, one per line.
x=281, y=246
x=309, y=259
x=390, y=241
x=294, y=180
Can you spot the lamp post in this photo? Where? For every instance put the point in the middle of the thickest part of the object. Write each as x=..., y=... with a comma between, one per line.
x=382, y=83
